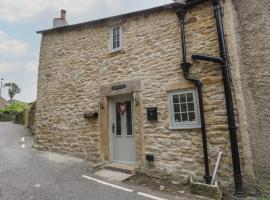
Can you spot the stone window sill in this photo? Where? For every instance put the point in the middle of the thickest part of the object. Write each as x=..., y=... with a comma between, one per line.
x=185, y=127
x=116, y=52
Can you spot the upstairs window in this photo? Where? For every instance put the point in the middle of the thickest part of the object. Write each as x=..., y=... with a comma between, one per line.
x=116, y=38
x=184, y=109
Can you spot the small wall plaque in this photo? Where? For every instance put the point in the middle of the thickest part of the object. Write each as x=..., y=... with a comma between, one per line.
x=152, y=114
x=118, y=87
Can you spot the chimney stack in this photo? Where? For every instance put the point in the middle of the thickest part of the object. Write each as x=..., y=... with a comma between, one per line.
x=63, y=14
x=59, y=22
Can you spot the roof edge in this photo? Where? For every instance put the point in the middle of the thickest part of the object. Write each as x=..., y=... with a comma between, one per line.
x=63, y=28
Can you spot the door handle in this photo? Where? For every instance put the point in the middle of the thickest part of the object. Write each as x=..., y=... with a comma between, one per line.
x=113, y=128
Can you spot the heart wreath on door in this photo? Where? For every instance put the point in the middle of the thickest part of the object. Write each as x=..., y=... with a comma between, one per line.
x=122, y=108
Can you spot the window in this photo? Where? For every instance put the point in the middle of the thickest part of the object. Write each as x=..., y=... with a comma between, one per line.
x=184, y=109
x=116, y=38
x=129, y=119
x=118, y=120
x=123, y=119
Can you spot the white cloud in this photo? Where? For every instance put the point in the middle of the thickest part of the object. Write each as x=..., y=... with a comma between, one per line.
x=31, y=66
x=11, y=10
x=9, y=45
x=19, y=10
x=7, y=67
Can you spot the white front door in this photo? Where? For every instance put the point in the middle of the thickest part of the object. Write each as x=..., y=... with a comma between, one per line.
x=121, y=130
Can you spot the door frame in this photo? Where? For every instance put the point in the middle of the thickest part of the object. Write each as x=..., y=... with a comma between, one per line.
x=112, y=100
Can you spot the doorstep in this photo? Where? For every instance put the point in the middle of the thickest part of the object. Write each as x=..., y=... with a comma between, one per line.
x=111, y=175
x=121, y=167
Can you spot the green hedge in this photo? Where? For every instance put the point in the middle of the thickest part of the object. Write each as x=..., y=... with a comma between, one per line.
x=15, y=107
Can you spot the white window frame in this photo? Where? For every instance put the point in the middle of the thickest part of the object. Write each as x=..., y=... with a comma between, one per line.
x=111, y=39
x=185, y=125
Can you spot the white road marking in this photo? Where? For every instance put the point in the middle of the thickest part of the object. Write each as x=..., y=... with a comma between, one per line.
x=22, y=139
x=122, y=188
x=23, y=145
x=37, y=185
x=106, y=183
x=150, y=196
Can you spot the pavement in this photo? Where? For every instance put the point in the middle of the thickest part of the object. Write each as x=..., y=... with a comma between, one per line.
x=29, y=174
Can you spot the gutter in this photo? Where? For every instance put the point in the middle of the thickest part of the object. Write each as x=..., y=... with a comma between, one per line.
x=223, y=60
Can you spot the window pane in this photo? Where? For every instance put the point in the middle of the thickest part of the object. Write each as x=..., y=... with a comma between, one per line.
x=177, y=117
x=189, y=97
x=176, y=108
x=117, y=29
x=183, y=108
x=184, y=117
x=118, y=119
x=191, y=116
x=175, y=99
x=182, y=98
x=129, y=118
x=116, y=38
x=114, y=45
x=190, y=106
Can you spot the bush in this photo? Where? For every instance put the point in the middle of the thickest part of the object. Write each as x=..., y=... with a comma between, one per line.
x=15, y=107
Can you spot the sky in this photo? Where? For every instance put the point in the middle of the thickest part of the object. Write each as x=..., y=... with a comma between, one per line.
x=19, y=42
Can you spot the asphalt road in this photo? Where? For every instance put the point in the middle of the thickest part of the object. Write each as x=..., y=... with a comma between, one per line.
x=29, y=174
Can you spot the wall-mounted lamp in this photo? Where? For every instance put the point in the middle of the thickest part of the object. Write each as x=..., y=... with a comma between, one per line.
x=90, y=115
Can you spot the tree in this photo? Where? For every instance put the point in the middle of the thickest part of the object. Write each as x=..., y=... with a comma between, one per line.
x=13, y=89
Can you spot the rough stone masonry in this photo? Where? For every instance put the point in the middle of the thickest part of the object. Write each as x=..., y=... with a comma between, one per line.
x=76, y=67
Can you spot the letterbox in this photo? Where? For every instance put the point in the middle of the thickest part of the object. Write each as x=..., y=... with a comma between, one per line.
x=152, y=114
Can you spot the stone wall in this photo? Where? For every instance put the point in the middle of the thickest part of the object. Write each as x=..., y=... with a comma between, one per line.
x=252, y=33
x=75, y=63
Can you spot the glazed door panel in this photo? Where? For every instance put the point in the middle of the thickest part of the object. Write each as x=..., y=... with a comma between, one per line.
x=122, y=134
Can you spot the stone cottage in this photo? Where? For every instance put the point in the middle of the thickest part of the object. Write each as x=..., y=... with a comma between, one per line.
x=132, y=88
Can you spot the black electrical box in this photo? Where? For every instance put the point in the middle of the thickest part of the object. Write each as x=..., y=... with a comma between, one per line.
x=149, y=157
x=152, y=114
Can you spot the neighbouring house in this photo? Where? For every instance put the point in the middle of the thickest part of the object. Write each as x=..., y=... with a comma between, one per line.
x=126, y=89
x=3, y=102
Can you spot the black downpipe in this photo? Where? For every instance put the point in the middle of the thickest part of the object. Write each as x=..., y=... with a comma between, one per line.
x=228, y=96
x=181, y=11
